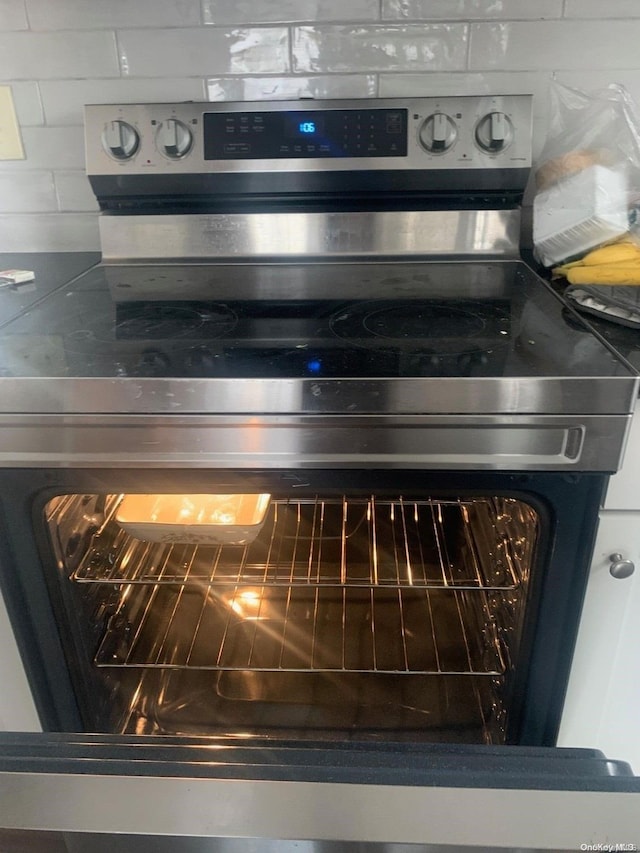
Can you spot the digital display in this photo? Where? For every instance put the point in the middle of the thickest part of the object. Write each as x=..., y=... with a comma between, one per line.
x=298, y=125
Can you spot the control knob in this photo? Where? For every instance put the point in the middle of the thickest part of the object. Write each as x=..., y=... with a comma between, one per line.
x=494, y=132
x=174, y=139
x=120, y=140
x=437, y=133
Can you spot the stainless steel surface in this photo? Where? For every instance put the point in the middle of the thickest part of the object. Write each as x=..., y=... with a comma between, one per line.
x=401, y=234
x=480, y=401
x=621, y=568
x=511, y=443
x=81, y=843
x=494, y=818
x=21, y=841
x=145, y=120
x=129, y=844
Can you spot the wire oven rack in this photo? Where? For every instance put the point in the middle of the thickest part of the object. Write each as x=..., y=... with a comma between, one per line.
x=360, y=542
x=371, y=630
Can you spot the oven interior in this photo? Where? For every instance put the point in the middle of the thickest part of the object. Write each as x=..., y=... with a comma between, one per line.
x=337, y=617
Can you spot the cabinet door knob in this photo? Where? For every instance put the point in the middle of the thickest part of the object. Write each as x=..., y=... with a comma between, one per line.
x=621, y=568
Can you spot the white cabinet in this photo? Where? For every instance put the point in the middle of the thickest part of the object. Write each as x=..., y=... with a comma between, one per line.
x=17, y=711
x=602, y=708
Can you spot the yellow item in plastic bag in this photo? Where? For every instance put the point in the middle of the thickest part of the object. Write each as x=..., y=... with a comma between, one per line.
x=615, y=263
x=621, y=273
x=623, y=250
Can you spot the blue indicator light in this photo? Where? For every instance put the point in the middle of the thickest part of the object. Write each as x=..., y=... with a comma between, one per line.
x=307, y=127
x=314, y=366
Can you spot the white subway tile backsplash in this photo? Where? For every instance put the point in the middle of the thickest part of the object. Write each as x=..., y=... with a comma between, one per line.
x=64, y=100
x=534, y=83
x=564, y=44
x=13, y=15
x=49, y=232
x=264, y=88
x=467, y=10
x=600, y=9
x=25, y=55
x=206, y=51
x=26, y=99
x=49, y=148
x=435, y=47
x=111, y=14
x=74, y=192
x=221, y=12
x=27, y=192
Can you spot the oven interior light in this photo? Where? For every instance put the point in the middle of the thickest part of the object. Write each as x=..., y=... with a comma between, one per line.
x=247, y=605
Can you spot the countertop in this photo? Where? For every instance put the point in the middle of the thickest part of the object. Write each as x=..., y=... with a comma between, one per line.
x=52, y=270
x=624, y=340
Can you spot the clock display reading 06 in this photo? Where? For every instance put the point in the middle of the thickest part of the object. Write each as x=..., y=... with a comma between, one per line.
x=303, y=125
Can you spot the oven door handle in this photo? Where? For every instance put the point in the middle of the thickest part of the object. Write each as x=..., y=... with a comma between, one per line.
x=469, y=442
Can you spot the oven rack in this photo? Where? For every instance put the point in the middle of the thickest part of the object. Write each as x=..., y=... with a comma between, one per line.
x=480, y=543
x=266, y=629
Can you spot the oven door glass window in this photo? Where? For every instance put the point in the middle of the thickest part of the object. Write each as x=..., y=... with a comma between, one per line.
x=335, y=617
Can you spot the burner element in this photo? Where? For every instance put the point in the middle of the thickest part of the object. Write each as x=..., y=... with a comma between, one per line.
x=171, y=320
x=431, y=320
x=436, y=327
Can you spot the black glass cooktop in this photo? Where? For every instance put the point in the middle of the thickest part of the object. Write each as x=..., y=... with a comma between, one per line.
x=329, y=320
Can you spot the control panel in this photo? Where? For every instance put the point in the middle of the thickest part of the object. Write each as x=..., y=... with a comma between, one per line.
x=305, y=133
x=431, y=133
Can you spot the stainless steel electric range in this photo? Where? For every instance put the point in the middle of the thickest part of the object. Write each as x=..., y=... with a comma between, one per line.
x=319, y=309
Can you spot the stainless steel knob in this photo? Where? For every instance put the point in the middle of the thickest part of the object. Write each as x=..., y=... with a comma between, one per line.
x=437, y=133
x=621, y=568
x=174, y=139
x=120, y=140
x=494, y=132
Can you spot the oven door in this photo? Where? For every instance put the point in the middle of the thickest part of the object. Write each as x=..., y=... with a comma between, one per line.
x=104, y=793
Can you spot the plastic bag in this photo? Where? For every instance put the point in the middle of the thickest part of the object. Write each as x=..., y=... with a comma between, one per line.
x=589, y=129
x=588, y=179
